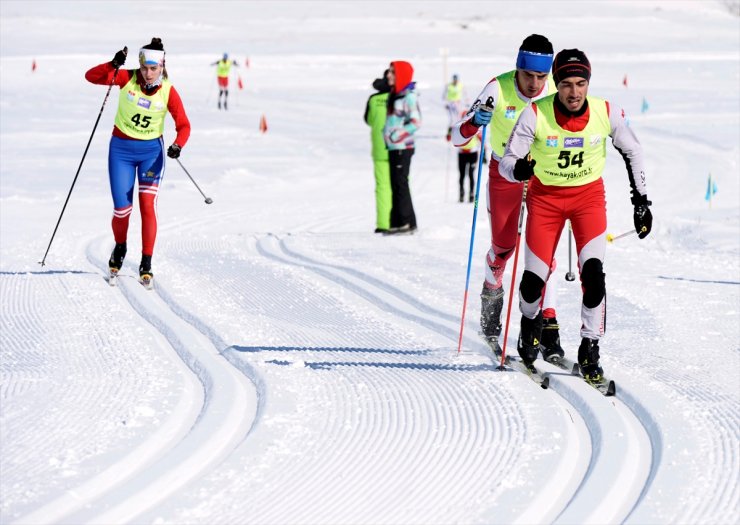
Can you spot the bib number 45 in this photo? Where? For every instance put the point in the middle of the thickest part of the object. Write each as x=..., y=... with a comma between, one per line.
x=567, y=160
x=143, y=122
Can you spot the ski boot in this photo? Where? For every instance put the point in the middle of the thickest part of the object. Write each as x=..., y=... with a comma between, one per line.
x=471, y=197
x=461, y=198
x=550, y=347
x=116, y=259
x=528, y=344
x=492, y=303
x=588, y=359
x=146, y=275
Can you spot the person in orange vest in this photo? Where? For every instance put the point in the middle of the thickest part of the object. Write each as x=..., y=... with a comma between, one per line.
x=223, y=69
x=136, y=148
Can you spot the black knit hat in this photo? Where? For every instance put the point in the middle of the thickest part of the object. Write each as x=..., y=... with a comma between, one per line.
x=537, y=44
x=155, y=44
x=571, y=63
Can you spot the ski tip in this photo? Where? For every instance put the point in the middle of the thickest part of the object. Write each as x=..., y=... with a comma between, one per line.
x=147, y=281
x=611, y=389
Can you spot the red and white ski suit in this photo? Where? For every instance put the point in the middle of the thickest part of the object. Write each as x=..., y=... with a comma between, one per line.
x=550, y=204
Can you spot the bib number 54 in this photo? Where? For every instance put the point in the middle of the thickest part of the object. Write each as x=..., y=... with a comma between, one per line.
x=566, y=159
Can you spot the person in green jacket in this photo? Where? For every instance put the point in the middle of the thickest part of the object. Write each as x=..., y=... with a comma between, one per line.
x=375, y=114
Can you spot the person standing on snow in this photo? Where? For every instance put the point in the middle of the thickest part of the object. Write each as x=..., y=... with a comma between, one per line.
x=467, y=161
x=375, y=113
x=509, y=93
x=223, y=69
x=136, y=147
x=565, y=134
x=403, y=119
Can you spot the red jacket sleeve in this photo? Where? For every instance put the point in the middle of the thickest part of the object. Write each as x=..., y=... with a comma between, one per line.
x=103, y=75
x=182, y=123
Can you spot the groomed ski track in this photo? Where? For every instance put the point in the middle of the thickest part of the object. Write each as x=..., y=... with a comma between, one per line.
x=214, y=414
x=409, y=431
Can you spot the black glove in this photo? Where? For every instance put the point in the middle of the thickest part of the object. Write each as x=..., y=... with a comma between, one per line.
x=173, y=151
x=119, y=59
x=524, y=169
x=642, y=216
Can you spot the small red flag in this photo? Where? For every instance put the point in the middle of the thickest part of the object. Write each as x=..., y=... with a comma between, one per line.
x=263, y=124
x=246, y=62
x=33, y=65
x=625, y=81
x=239, y=83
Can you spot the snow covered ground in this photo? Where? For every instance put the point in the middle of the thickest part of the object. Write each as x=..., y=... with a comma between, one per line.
x=293, y=367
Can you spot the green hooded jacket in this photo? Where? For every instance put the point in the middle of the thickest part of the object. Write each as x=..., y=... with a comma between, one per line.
x=375, y=113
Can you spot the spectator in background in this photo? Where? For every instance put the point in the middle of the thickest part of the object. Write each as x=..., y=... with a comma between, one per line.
x=403, y=119
x=375, y=115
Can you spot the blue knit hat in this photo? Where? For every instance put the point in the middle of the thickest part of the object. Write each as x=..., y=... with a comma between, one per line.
x=535, y=54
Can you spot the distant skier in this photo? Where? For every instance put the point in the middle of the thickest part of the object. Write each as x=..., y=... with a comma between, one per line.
x=467, y=162
x=403, y=119
x=136, y=147
x=566, y=134
x=509, y=93
x=375, y=113
x=455, y=100
x=223, y=69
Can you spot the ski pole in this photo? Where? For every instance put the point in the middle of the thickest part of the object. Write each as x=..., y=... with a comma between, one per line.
x=489, y=107
x=43, y=261
x=513, y=275
x=612, y=238
x=208, y=199
x=570, y=276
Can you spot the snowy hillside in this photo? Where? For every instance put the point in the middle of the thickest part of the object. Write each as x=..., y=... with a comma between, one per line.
x=293, y=367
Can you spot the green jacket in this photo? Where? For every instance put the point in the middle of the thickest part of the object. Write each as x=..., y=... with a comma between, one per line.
x=375, y=113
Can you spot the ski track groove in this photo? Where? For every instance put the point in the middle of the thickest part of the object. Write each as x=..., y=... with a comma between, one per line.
x=392, y=437
x=389, y=418
x=714, y=418
x=106, y=378
x=389, y=427
x=245, y=296
x=145, y=486
x=597, y=438
x=366, y=295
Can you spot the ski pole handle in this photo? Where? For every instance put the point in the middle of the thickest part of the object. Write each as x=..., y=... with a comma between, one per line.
x=612, y=238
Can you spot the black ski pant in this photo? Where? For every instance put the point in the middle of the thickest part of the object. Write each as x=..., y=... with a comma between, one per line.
x=466, y=162
x=402, y=210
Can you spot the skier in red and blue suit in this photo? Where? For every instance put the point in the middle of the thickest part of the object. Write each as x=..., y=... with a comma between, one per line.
x=136, y=147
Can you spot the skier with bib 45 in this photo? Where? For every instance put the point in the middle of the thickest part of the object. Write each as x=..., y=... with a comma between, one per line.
x=137, y=148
